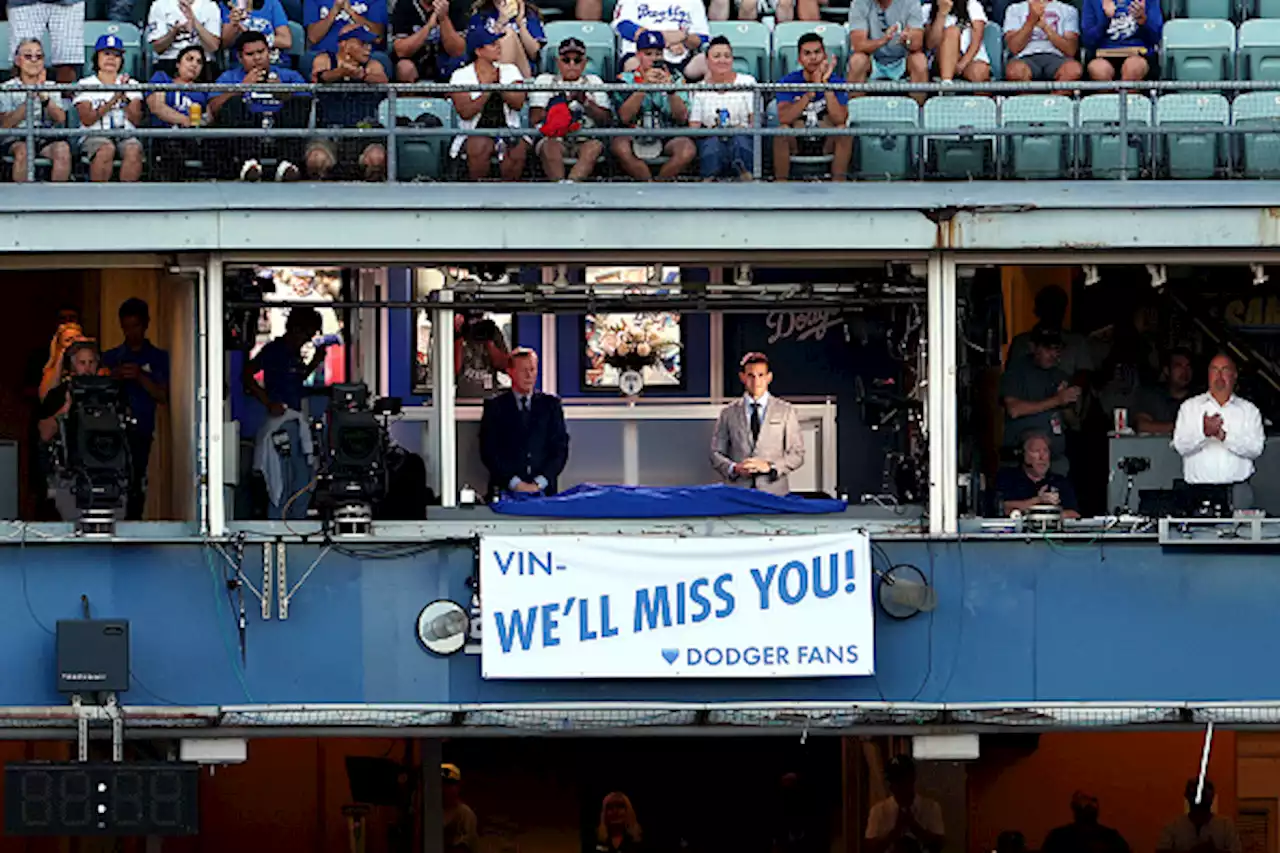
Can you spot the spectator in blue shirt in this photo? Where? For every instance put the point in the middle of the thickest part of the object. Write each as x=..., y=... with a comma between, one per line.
x=260, y=16
x=143, y=368
x=261, y=110
x=1125, y=35
x=521, y=25
x=813, y=109
x=326, y=20
x=174, y=109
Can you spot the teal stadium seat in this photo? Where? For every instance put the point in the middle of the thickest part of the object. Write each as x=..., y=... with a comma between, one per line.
x=128, y=33
x=6, y=55
x=786, y=55
x=1032, y=155
x=597, y=36
x=1198, y=50
x=298, y=48
x=888, y=157
x=1193, y=155
x=1216, y=9
x=993, y=40
x=421, y=158
x=751, y=46
x=1258, y=52
x=959, y=152
x=1259, y=152
x=1100, y=153
x=1262, y=8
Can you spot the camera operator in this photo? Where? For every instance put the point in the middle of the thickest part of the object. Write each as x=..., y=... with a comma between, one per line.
x=81, y=359
x=283, y=447
x=480, y=355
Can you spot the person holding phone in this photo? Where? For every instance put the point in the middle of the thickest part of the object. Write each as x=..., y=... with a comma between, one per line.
x=260, y=16
x=520, y=23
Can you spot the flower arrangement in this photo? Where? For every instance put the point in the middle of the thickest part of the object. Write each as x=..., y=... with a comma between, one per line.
x=636, y=345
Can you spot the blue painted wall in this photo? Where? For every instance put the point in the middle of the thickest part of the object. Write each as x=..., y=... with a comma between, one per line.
x=1015, y=621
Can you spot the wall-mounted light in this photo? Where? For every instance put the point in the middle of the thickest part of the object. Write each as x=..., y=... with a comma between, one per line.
x=443, y=627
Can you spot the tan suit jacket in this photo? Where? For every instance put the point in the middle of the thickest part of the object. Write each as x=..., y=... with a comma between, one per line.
x=780, y=444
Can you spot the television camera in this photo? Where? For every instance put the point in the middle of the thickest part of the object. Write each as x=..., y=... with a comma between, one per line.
x=355, y=447
x=94, y=456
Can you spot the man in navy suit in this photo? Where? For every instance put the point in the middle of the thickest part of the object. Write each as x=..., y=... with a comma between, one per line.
x=523, y=440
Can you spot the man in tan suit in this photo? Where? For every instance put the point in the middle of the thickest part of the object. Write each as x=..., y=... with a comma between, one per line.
x=757, y=441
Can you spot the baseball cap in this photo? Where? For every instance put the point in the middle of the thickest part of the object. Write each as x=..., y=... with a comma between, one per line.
x=1046, y=337
x=483, y=35
x=357, y=33
x=450, y=773
x=649, y=39
x=109, y=41
x=571, y=45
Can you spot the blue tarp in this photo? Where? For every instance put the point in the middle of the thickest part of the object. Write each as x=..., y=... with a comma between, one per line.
x=592, y=501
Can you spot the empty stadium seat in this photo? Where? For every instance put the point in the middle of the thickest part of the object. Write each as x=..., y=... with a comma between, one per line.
x=786, y=55
x=1258, y=51
x=1100, y=153
x=128, y=33
x=1258, y=153
x=6, y=55
x=1192, y=155
x=597, y=36
x=751, y=46
x=1262, y=8
x=297, y=49
x=423, y=158
x=1198, y=50
x=1031, y=155
x=889, y=157
x=1217, y=9
x=959, y=153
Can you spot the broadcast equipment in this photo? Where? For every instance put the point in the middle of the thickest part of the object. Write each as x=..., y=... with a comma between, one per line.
x=1131, y=466
x=1043, y=518
x=246, y=285
x=353, y=473
x=95, y=450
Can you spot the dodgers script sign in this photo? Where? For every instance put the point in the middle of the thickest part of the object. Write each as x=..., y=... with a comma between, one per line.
x=656, y=607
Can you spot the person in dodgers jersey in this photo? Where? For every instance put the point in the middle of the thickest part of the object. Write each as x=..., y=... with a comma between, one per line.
x=682, y=24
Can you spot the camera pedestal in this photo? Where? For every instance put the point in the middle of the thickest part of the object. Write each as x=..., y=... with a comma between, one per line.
x=353, y=520
x=97, y=523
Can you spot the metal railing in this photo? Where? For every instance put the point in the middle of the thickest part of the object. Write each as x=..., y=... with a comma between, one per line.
x=385, y=129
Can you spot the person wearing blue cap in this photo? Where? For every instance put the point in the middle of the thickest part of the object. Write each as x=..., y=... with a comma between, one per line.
x=64, y=20
x=681, y=25
x=520, y=23
x=489, y=109
x=326, y=20
x=652, y=109
x=353, y=63
x=49, y=110
x=110, y=111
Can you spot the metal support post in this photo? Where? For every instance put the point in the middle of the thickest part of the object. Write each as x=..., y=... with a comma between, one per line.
x=215, y=521
x=432, y=807
x=268, y=569
x=940, y=397
x=82, y=728
x=391, y=137
x=282, y=580
x=116, y=714
x=444, y=399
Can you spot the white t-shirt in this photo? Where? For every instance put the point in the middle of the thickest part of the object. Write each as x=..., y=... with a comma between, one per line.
x=884, y=817
x=467, y=75
x=541, y=99
x=1061, y=18
x=165, y=13
x=115, y=118
x=662, y=15
x=724, y=109
x=976, y=13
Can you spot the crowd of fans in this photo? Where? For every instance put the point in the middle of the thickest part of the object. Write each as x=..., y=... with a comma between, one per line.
x=503, y=41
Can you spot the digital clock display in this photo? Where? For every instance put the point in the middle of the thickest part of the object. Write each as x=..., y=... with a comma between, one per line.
x=101, y=799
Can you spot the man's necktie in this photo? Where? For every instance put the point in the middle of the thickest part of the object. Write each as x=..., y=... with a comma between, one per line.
x=755, y=421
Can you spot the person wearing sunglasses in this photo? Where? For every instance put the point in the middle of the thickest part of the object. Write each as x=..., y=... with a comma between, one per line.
x=571, y=67
x=48, y=110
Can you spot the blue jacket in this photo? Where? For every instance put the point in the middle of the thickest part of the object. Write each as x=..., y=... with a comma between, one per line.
x=1096, y=28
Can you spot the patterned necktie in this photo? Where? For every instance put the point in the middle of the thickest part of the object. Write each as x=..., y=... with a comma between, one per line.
x=755, y=421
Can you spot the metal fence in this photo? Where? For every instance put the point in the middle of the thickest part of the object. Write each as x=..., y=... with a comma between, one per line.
x=960, y=131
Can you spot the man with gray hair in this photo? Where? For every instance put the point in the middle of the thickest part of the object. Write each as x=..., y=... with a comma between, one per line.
x=1032, y=483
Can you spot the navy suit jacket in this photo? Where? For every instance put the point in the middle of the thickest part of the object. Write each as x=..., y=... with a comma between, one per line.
x=511, y=449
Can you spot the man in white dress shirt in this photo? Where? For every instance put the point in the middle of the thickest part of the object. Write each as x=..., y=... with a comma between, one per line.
x=757, y=441
x=1219, y=435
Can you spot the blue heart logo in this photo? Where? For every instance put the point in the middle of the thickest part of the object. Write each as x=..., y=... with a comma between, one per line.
x=670, y=655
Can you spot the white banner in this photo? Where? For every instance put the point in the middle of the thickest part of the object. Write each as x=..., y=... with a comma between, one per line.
x=661, y=607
